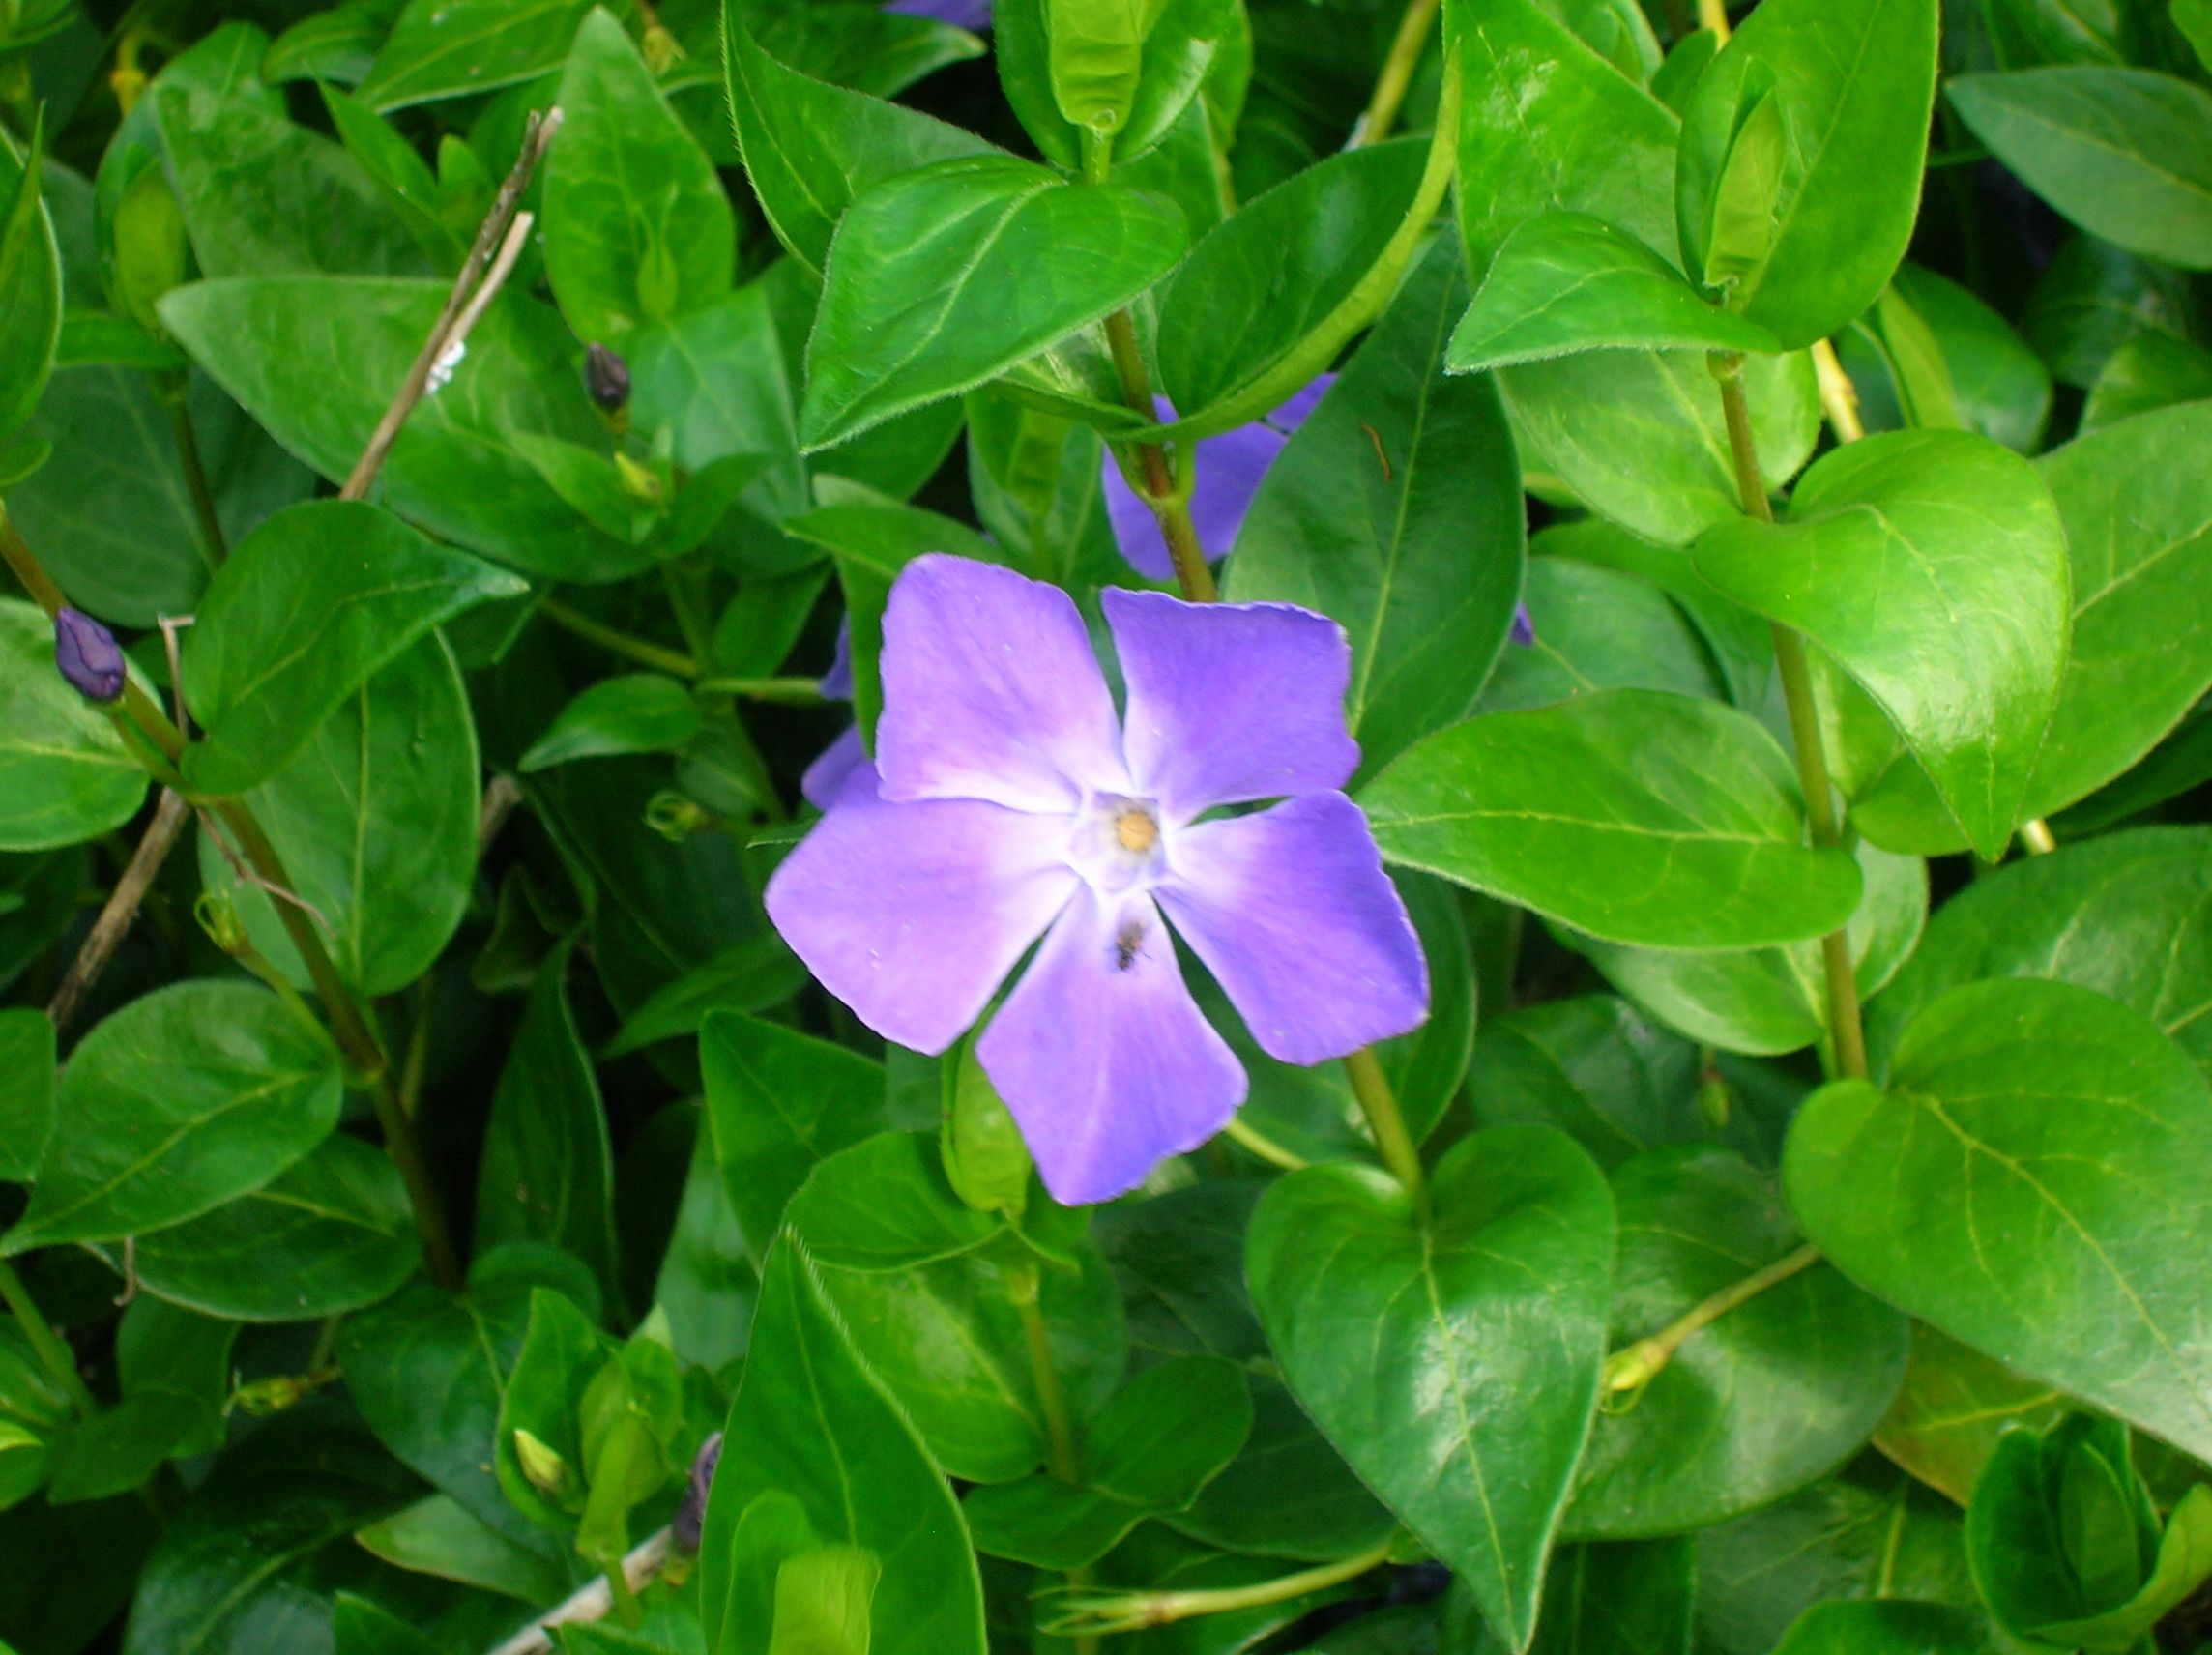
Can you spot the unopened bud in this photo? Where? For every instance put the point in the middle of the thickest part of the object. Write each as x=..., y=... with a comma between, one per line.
x=218, y=916
x=676, y=816
x=660, y=49
x=88, y=656
x=691, y=1516
x=639, y=483
x=606, y=378
x=543, y=1466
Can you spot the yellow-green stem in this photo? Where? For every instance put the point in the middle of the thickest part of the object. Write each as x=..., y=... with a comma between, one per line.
x=1713, y=14
x=1133, y=1611
x=1635, y=1367
x=45, y=1344
x=1406, y=49
x=638, y=650
x=1060, y=1430
x=1260, y=1145
x=786, y=691
x=1372, y=1088
x=1795, y=672
x=2035, y=833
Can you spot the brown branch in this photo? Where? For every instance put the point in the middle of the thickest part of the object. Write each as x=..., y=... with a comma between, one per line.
x=121, y=907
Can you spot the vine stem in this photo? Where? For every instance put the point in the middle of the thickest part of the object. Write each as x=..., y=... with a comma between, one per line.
x=1237, y=1131
x=1372, y=1088
x=1390, y=86
x=1796, y=670
x=1060, y=1430
x=1108, y=1612
x=1168, y=501
x=121, y=908
x=639, y=650
x=1839, y=396
x=597, y=1599
x=54, y=1355
x=1635, y=1367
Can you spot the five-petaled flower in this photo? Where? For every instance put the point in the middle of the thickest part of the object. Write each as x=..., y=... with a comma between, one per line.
x=1008, y=801
x=825, y=778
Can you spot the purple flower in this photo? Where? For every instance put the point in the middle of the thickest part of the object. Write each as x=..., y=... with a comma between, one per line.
x=1523, y=629
x=1230, y=469
x=88, y=656
x=966, y=13
x=1013, y=803
x=690, y=1519
x=825, y=778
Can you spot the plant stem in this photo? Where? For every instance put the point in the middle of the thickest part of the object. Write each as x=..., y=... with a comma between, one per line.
x=1413, y=39
x=1635, y=1367
x=1839, y=396
x=1263, y=1145
x=636, y=649
x=1060, y=1431
x=1372, y=1088
x=195, y=474
x=1133, y=1611
x=1797, y=676
x=54, y=1355
x=1168, y=505
x=786, y=691
x=1713, y=14
x=2035, y=834
x=594, y=1601
x=121, y=909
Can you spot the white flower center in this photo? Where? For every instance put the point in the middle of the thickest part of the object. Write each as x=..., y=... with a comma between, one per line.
x=1117, y=843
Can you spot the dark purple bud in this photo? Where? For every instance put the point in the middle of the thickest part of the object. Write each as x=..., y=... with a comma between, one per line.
x=691, y=1516
x=606, y=378
x=88, y=656
x=1524, y=629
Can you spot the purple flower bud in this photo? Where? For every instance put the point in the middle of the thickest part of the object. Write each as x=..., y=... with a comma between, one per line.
x=606, y=378
x=88, y=656
x=691, y=1516
x=1524, y=626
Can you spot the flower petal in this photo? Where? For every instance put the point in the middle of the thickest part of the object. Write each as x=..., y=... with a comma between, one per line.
x=1230, y=471
x=1102, y=1056
x=826, y=777
x=912, y=913
x=1293, y=414
x=1229, y=702
x=1292, y=914
x=991, y=691
x=838, y=682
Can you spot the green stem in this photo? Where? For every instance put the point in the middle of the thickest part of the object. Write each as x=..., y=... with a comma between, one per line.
x=1060, y=1431
x=1372, y=1088
x=621, y=643
x=1170, y=505
x=698, y=631
x=787, y=691
x=54, y=1355
x=1796, y=670
x=1635, y=1367
x=1413, y=39
x=197, y=477
x=1117, y=1612
x=1263, y=1145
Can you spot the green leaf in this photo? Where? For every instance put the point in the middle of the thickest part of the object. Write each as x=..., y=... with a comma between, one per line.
x=1454, y=1366
x=1593, y=1068
x=812, y=1425
x=1096, y=50
x=455, y=49
x=375, y=819
x=639, y=713
x=562, y=1356
x=926, y=1287
x=1759, y=1402
x=2124, y=153
x=330, y=1233
x=2023, y=1182
x=811, y=148
x=198, y=1093
x=1633, y=815
x=1262, y=280
x=316, y=359
x=1152, y=1449
x=1565, y=282
x=1177, y=54
x=402, y=177
x=638, y=229
x=2058, y=916
x=547, y=1173
x=1932, y=567
x=1884, y=1626
x=358, y=1627
x=26, y=1091
x=2093, y=299
x=822, y=1602
x=1898, y=369
x=30, y=284
x=1597, y=628
x=2148, y=372
x=1638, y=436
x=65, y=774
x=2001, y=387
x=872, y=50
x=1852, y=82
x=437, y=1536
x=1548, y=125
x=745, y=978
x=1367, y=515
x=1603, y=1598
x=1954, y=1406
x=307, y=607
x=921, y=293
x=176, y=1374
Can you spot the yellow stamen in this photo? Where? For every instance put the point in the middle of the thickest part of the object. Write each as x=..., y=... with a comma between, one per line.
x=1136, y=831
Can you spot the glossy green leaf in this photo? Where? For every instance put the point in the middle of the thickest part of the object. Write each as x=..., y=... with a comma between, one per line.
x=2093, y=299
x=949, y=242
x=1763, y=1401
x=1379, y=541
x=1638, y=436
x=375, y=819
x=1852, y=82
x=175, y=1370
x=330, y=1233
x=452, y=49
x=309, y=607
x=2148, y=372
x=2124, y=153
x=65, y=774
x=869, y=48
x=1594, y=1069
x=562, y=1356
x=1932, y=565
x=637, y=226
x=811, y=148
x=1898, y=369
x=1455, y=1367
x=1597, y=628
x=1633, y=815
x=1565, y=282
x=1884, y=1626
x=1161, y=1439
x=30, y=286
x=1954, y=1406
x=2001, y=387
x=1266, y=276
x=316, y=359
x=437, y=1536
x=198, y=1093
x=747, y=978
x=547, y=1173
x=1602, y=1598
x=358, y=1627
x=1548, y=125
x=812, y=1425
x=1288, y=1493
x=26, y=1090
x=1176, y=52
x=2023, y=1182
x=638, y=713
